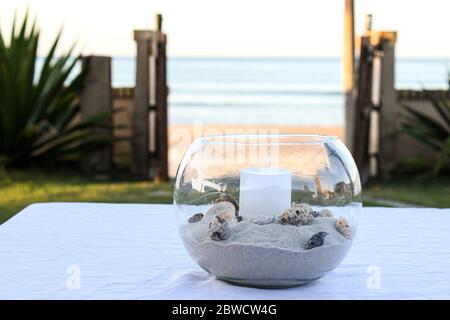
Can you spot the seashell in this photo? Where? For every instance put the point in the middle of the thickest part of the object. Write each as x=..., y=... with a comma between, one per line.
x=316, y=240
x=227, y=216
x=225, y=209
x=224, y=197
x=219, y=229
x=326, y=213
x=261, y=220
x=343, y=227
x=196, y=218
x=304, y=212
x=297, y=214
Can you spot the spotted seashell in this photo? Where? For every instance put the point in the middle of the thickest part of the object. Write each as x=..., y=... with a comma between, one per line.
x=304, y=212
x=219, y=229
x=289, y=217
x=316, y=240
x=229, y=217
x=326, y=213
x=297, y=214
x=261, y=220
x=224, y=209
x=225, y=197
x=343, y=227
x=196, y=218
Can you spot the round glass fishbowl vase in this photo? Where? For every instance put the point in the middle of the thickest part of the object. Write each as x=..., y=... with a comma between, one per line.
x=267, y=210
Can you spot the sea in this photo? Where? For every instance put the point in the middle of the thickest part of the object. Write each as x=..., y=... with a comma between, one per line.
x=268, y=91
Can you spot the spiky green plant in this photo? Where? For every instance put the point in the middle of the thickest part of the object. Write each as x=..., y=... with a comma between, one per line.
x=433, y=132
x=39, y=109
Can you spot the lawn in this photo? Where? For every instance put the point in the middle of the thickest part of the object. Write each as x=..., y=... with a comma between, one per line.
x=21, y=188
x=416, y=193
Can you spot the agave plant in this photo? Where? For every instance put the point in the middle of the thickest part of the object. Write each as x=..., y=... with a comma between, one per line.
x=434, y=132
x=39, y=109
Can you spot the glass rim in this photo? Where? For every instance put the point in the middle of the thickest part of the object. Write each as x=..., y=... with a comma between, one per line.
x=267, y=138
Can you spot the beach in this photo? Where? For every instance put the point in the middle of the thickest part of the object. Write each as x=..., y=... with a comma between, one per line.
x=213, y=96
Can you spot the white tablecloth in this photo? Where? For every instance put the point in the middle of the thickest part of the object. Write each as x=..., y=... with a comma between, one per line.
x=118, y=251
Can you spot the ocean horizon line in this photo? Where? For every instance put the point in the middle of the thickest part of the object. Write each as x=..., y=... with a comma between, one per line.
x=333, y=58
x=255, y=58
x=291, y=58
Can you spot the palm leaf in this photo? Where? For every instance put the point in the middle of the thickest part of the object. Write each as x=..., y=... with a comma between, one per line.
x=443, y=109
x=420, y=136
x=442, y=158
x=39, y=109
x=433, y=132
x=434, y=126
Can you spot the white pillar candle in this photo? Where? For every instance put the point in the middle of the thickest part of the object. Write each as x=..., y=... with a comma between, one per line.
x=264, y=191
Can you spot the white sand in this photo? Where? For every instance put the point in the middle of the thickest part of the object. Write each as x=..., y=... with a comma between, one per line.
x=267, y=255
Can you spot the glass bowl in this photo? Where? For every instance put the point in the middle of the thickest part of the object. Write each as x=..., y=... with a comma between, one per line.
x=267, y=210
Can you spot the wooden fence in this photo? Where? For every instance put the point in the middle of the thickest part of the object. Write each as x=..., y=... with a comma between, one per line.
x=375, y=106
x=138, y=115
x=378, y=142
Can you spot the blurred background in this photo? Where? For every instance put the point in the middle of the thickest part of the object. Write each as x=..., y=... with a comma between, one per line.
x=99, y=101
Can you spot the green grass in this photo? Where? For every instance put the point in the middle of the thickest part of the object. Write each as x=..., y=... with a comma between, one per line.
x=426, y=193
x=20, y=188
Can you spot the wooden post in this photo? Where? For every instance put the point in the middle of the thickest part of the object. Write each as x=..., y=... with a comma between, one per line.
x=140, y=126
x=150, y=129
x=390, y=109
x=96, y=98
x=362, y=110
x=368, y=24
x=161, y=93
x=377, y=110
x=158, y=23
x=374, y=125
x=348, y=72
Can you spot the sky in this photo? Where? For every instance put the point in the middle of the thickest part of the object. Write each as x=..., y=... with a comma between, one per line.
x=241, y=28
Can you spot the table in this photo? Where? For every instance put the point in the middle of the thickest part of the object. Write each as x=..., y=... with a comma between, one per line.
x=123, y=251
